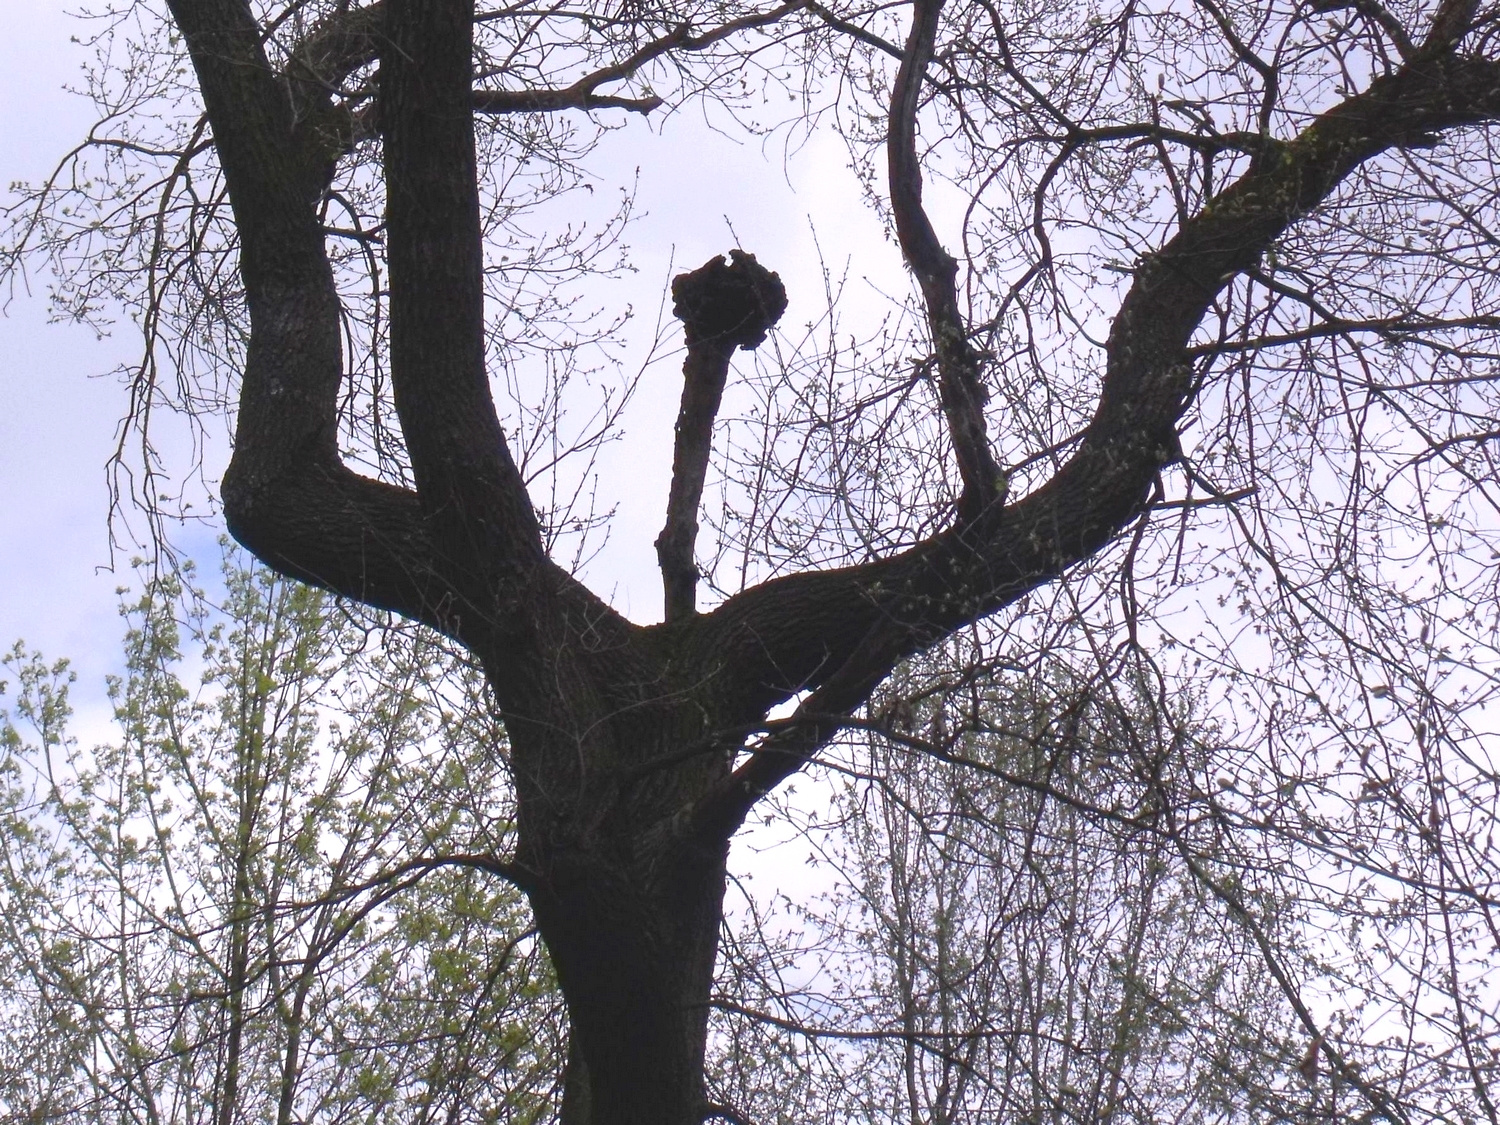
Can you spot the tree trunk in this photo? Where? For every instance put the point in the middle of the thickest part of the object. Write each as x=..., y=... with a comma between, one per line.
x=634, y=944
x=628, y=904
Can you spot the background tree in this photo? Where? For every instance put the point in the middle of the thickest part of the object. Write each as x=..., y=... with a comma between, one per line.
x=1015, y=931
x=1225, y=301
x=248, y=908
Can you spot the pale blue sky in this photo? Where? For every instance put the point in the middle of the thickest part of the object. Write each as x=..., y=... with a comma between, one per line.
x=56, y=421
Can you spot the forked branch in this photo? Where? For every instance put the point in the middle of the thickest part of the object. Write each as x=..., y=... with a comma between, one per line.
x=836, y=631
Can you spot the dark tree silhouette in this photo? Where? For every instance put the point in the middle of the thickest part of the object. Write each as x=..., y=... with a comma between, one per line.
x=638, y=751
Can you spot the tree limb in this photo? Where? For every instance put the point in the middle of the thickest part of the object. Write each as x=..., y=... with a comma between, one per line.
x=543, y=101
x=286, y=494
x=962, y=393
x=1450, y=23
x=338, y=46
x=482, y=520
x=352, y=38
x=854, y=31
x=836, y=632
x=1389, y=328
x=722, y=307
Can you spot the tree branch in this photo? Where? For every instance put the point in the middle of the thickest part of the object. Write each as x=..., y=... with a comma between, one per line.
x=722, y=307
x=961, y=391
x=836, y=632
x=543, y=101
x=338, y=46
x=1389, y=328
x=350, y=39
x=1379, y=14
x=785, y=751
x=483, y=524
x=854, y=31
x=1450, y=23
x=287, y=497
x=580, y=95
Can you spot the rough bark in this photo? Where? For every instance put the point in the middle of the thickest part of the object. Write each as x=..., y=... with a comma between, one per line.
x=623, y=738
x=634, y=951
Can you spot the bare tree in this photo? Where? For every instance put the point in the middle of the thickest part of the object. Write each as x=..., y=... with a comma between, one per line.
x=1224, y=292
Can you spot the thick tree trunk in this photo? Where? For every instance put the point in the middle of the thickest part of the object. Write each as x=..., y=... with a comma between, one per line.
x=628, y=903
x=634, y=947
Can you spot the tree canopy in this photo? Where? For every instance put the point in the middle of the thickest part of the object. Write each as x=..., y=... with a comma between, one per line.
x=1192, y=400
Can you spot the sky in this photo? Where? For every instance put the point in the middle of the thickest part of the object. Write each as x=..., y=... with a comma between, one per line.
x=60, y=405
x=57, y=414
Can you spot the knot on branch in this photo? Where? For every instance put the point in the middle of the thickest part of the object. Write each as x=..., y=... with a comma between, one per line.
x=735, y=302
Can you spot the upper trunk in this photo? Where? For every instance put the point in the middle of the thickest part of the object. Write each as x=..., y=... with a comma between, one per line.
x=629, y=908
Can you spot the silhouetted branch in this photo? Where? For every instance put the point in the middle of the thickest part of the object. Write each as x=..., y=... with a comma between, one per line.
x=722, y=307
x=344, y=42
x=963, y=395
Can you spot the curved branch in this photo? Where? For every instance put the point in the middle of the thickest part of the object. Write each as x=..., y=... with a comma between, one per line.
x=962, y=393
x=338, y=46
x=286, y=495
x=838, y=632
x=1450, y=24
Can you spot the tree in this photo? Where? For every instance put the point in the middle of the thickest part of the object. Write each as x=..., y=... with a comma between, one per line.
x=998, y=947
x=1215, y=259
x=1011, y=935
x=245, y=908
